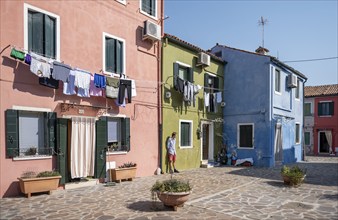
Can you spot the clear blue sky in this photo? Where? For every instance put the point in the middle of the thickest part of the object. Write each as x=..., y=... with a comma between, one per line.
x=296, y=30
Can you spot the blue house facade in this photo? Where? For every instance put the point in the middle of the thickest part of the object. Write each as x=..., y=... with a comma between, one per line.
x=263, y=112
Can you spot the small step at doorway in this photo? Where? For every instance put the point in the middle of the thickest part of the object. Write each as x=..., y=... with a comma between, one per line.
x=209, y=164
x=83, y=182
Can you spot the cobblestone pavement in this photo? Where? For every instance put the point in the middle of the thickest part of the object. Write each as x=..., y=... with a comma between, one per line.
x=218, y=193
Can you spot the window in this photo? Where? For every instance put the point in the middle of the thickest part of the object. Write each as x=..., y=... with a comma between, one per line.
x=277, y=81
x=149, y=7
x=114, y=55
x=29, y=133
x=245, y=135
x=42, y=32
x=325, y=108
x=297, y=133
x=307, y=109
x=297, y=90
x=186, y=133
x=307, y=138
x=183, y=71
x=118, y=134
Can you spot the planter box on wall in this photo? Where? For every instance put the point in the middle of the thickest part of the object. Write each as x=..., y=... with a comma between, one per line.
x=119, y=174
x=41, y=184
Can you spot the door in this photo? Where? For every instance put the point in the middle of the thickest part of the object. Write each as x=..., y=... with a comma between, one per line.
x=324, y=141
x=207, y=142
x=278, y=146
x=62, y=149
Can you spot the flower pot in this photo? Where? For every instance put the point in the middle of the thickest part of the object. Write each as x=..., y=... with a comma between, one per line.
x=119, y=174
x=173, y=199
x=38, y=184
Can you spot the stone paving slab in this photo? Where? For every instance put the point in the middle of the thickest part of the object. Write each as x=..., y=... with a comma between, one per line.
x=218, y=193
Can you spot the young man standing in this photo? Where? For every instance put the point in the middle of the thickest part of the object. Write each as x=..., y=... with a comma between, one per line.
x=172, y=152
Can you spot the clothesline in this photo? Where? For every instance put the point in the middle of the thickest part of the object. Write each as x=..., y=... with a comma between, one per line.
x=101, y=72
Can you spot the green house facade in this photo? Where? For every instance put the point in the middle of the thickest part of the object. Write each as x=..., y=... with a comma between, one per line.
x=194, y=110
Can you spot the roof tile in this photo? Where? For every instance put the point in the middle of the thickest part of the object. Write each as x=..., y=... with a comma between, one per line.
x=322, y=90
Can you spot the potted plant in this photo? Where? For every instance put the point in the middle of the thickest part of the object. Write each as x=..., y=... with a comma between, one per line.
x=45, y=181
x=127, y=171
x=172, y=192
x=293, y=176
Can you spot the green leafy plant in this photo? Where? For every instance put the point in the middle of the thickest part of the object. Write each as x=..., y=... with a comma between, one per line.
x=32, y=174
x=129, y=164
x=171, y=185
x=30, y=151
x=293, y=175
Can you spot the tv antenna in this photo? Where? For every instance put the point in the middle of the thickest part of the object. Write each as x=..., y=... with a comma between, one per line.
x=262, y=22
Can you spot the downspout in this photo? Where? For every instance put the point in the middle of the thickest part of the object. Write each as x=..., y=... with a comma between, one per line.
x=159, y=87
x=303, y=142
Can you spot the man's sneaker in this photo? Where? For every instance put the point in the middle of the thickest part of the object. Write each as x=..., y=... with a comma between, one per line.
x=176, y=171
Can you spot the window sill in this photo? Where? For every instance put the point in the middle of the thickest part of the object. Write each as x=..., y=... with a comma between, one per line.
x=325, y=116
x=148, y=15
x=246, y=148
x=117, y=153
x=32, y=158
x=185, y=147
x=278, y=93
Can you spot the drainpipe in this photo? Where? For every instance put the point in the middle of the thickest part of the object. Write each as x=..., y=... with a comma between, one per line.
x=303, y=142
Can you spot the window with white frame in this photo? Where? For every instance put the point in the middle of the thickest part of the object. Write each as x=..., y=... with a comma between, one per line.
x=297, y=90
x=114, y=54
x=245, y=135
x=297, y=133
x=186, y=133
x=118, y=134
x=307, y=138
x=307, y=109
x=325, y=108
x=277, y=81
x=149, y=7
x=42, y=32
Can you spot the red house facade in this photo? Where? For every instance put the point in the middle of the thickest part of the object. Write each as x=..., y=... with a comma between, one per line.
x=325, y=123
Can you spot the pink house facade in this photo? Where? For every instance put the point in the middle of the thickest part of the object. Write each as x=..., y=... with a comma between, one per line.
x=79, y=89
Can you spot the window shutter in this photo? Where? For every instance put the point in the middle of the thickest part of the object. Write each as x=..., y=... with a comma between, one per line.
x=176, y=71
x=216, y=83
x=191, y=75
x=331, y=108
x=12, y=133
x=35, y=27
x=49, y=34
x=152, y=7
x=320, y=111
x=62, y=148
x=110, y=55
x=206, y=77
x=100, y=148
x=125, y=133
x=119, y=57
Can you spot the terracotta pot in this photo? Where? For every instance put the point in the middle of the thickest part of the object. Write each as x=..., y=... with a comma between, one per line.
x=38, y=184
x=173, y=199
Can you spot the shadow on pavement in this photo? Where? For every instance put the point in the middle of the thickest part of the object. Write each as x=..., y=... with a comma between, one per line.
x=149, y=206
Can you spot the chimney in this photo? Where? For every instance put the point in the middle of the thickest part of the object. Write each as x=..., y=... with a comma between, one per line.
x=262, y=50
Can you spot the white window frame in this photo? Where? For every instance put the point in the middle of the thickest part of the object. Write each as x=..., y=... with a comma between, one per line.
x=184, y=65
x=311, y=109
x=146, y=14
x=123, y=2
x=323, y=116
x=297, y=90
x=120, y=136
x=297, y=131
x=104, y=35
x=28, y=7
x=253, y=135
x=191, y=133
x=280, y=81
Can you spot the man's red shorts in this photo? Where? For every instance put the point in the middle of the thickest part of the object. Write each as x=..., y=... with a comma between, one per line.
x=172, y=157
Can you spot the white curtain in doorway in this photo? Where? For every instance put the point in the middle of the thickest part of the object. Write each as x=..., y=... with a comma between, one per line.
x=278, y=143
x=328, y=136
x=82, y=147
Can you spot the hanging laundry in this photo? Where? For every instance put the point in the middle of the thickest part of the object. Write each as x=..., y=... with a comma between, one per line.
x=123, y=104
x=49, y=82
x=40, y=66
x=195, y=92
x=82, y=79
x=28, y=59
x=124, y=88
x=112, y=87
x=93, y=90
x=69, y=87
x=133, y=88
x=16, y=54
x=180, y=85
x=206, y=99
x=212, y=102
x=83, y=92
x=99, y=81
x=188, y=94
x=218, y=97
x=61, y=71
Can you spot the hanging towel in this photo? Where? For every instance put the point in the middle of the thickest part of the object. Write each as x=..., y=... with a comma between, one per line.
x=112, y=87
x=39, y=66
x=99, y=81
x=69, y=87
x=133, y=88
x=93, y=90
x=83, y=92
x=61, y=71
x=82, y=79
x=16, y=54
x=219, y=97
x=206, y=99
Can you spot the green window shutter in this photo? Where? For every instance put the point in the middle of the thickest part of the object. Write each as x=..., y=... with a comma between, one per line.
x=191, y=75
x=176, y=71
x=119, y=56
x=216, y=83
x=331, y=108
x=206, y=78
x=35, y=30
x=307, y=138
x=110, y=55
x=49, y=36
x=320, y=110
x=100, y=148
x=62, y=148
x=12, y=133
x=125, y=125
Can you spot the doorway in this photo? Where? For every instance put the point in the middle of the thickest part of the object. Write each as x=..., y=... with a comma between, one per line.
x=278, y=144
x=324, y=141
x=207, y=142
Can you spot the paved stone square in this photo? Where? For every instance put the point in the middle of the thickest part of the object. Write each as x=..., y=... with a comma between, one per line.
x=218, y=193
